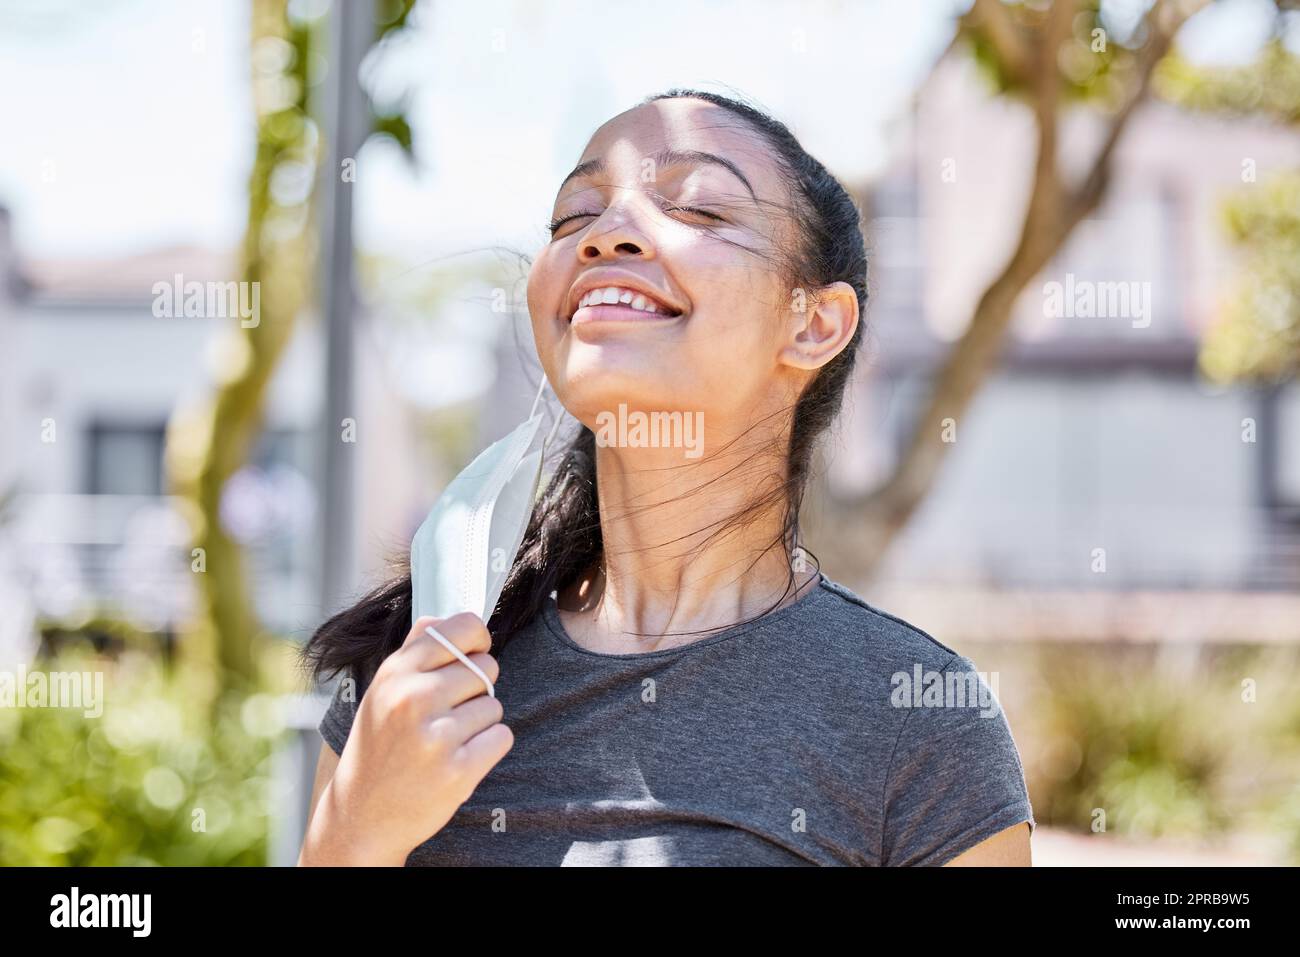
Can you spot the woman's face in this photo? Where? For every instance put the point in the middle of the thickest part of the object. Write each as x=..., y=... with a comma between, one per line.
x=719, y=345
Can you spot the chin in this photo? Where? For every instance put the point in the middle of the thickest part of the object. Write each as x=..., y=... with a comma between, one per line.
x=588, y=386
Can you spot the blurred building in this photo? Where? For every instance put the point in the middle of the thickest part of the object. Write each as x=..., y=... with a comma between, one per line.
x=1094, y=433
x=90, y=378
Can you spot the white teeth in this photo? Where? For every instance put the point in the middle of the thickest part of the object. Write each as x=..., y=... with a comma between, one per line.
x=611, y=295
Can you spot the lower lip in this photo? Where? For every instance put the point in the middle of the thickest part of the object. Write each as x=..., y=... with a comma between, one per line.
x=617, y=312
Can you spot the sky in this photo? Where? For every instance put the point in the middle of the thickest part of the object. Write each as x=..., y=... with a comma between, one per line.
x=126, y=124
x=134, y=130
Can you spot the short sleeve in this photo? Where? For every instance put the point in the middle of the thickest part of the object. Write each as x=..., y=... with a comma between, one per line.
x=955, y=778
x=342, y=711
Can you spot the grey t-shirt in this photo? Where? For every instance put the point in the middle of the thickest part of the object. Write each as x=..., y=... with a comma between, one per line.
x=826, y=732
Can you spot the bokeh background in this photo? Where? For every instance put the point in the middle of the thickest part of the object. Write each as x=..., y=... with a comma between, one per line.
x=1102, y=506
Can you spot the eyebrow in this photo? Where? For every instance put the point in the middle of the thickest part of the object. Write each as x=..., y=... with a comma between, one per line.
x=668, y=158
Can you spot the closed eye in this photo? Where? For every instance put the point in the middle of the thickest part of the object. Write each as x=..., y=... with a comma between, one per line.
x=554, y=225
x=699, y=212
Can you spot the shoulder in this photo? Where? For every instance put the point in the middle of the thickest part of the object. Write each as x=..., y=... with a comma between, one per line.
x=922, y=674
x=856, y=629
x=336, y=723
x=922, y=694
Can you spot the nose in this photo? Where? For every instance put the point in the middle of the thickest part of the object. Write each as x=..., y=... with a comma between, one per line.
x=615, y=233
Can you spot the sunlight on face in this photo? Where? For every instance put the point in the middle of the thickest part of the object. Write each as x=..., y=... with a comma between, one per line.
x=622, y=221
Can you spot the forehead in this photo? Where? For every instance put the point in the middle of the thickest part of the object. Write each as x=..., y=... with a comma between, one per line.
x=678, y=130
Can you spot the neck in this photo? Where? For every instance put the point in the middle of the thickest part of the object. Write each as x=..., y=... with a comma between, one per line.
x=690, y=545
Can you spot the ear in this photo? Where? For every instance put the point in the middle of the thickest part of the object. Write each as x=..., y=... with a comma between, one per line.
x=820, y=326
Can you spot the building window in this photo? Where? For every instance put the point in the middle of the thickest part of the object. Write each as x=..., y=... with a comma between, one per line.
x=125, y=459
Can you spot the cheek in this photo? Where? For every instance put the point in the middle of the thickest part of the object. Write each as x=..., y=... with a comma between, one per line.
x=544, y=293
x=542, y=280
x=739, y=308
x=725, y=358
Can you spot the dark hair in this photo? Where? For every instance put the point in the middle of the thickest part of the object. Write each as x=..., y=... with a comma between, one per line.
x=564, y=537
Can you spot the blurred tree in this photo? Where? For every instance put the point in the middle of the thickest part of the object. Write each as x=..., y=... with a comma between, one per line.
x=1269, y=86
x=1047, y=56
x=210, y=442
x=1257, y=334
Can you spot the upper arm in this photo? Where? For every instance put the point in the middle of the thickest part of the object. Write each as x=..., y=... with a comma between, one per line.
x=335, y=727
x=325, y=767
x=1009, y=848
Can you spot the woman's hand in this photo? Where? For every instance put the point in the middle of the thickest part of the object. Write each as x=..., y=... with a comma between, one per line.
x=426, y=733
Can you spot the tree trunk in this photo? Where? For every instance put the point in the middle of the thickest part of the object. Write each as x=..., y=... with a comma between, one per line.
x=860, y=531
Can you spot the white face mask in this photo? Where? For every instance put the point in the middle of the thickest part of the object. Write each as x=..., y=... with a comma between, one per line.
x=465, y=548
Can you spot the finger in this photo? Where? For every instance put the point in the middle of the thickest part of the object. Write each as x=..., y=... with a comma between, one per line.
x=458, y=683
x=442, y=690
x=481, y=753
x=464, y=659
x=466, y=631
x=466, y=720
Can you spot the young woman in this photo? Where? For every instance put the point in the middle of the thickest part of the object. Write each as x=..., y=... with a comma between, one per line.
x=673, y=684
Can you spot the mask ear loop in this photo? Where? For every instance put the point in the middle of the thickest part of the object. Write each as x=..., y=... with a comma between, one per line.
x=446, y=643
x=555, y=426
x=540, y=389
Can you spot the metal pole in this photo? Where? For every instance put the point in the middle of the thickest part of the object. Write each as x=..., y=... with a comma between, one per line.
x=346, y=118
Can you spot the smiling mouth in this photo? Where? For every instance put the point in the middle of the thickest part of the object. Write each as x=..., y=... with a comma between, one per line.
x=617, y=302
